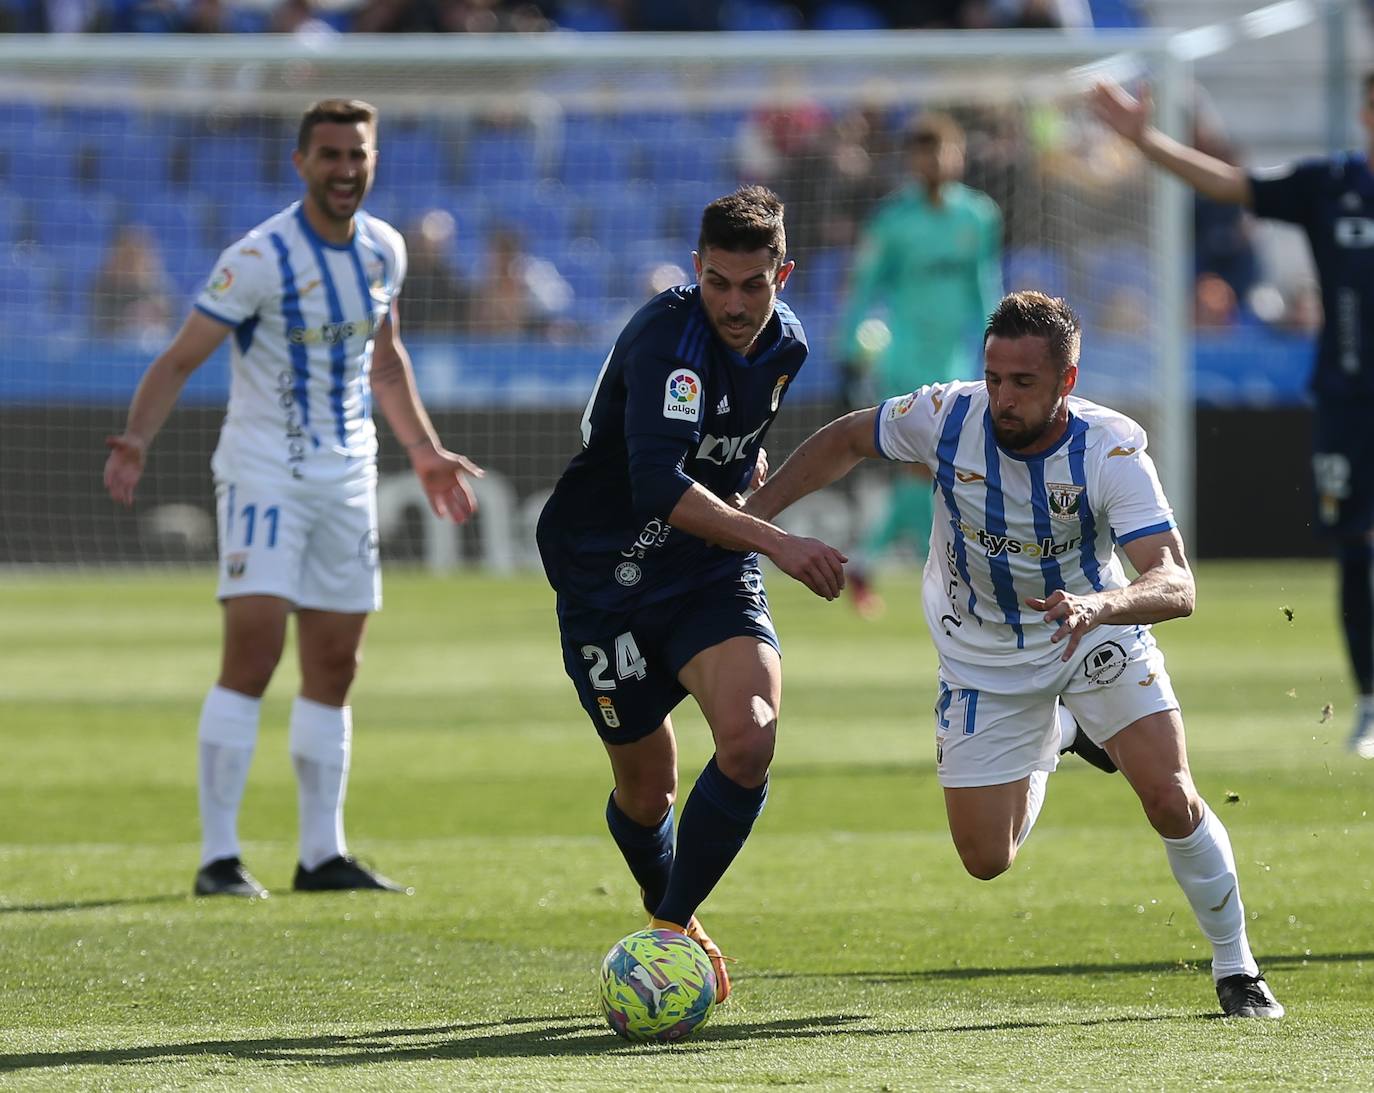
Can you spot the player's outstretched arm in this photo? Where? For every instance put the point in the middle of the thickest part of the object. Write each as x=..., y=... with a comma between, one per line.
x=826, y=456
x=1130, y=117
x=443, y=474
x=701, y=513
x=157, y=393
x=1163, y=590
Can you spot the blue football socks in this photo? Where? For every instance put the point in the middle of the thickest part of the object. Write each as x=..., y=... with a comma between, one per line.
x=1357, y=608
x=648, y=850
x=716, y=820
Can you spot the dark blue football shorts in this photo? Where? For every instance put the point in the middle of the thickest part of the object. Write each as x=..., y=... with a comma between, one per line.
x=625, y=664
x=1343, y=467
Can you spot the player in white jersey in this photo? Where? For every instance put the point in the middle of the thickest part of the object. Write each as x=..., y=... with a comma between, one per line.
x=310, y=299
x=1030, y=608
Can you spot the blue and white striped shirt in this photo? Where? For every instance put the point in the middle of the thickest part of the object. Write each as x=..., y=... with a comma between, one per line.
x=304, y=313
x=1008, y=527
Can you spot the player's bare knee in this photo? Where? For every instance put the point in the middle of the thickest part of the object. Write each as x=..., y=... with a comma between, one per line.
x=986, y=863
x=1172, y=808
x=329, y=673
x=248, y=667
x=745, y=752
x=645, y=805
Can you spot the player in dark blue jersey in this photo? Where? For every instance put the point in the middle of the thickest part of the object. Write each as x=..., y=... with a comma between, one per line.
x=656, y=568
x=1332, y=200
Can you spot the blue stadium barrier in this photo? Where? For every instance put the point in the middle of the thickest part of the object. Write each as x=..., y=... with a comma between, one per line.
x=847, y=15
x=42, y=363
x=758, y=15
x=1112, y=14
x=586, y=17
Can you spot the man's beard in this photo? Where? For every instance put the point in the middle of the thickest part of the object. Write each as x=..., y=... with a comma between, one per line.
x=1024, y=435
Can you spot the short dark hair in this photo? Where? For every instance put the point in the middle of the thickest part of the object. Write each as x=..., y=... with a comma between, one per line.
x=344, y=111
x=933, y=130
x=748, y=219
x=1035, y=315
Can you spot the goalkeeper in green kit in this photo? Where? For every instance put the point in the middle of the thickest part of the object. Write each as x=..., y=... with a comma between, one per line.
x=931, y=261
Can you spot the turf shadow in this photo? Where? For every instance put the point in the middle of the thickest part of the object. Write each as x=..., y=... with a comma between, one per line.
x=1269, y=963
x=88, y=904
x=516, y=1037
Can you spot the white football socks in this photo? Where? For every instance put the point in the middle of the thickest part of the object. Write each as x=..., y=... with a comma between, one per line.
x=321, y=739
x=1068, y=727
x=228, y=733
x=1205, y=869
x=1035, y=797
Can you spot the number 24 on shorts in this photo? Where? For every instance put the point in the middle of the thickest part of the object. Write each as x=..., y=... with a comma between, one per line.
x=629, y=664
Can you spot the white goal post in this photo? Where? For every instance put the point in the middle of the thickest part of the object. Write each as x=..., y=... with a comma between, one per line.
x=596, y=153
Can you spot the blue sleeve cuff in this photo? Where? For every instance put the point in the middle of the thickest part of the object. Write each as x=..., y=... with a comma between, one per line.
x=218, y=318
x=1140, y=533
x=878, y=429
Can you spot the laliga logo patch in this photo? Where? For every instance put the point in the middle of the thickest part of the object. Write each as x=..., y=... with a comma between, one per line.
x=220, y=282
x=777, y=392
x=1065, y=500
x=902, y=406
x=608, y=714
x=682, y=396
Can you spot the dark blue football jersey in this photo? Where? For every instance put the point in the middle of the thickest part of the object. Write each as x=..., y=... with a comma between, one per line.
x=673, y=405
x=1332, y=200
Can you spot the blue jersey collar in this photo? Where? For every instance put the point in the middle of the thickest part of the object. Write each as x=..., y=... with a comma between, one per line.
x=319, y=240
x=1071, y=430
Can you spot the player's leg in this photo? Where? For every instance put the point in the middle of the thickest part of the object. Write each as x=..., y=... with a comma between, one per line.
x=994, y=754
x=639, y=811
x=1124, y=699
x=259, y=551
x=1152, y=756
x=1343, y=450
x=628, y=689
x=1356, y=556
x=989, y=823
x=340, y=585
x=738, y=685
x=254, y=634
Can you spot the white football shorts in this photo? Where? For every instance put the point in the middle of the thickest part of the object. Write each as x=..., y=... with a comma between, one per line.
x=986, y=737
x=315, y=544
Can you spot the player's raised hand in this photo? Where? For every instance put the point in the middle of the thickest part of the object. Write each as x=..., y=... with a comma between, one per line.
x=816, y=564
x=124, y=466
x=1076, y=615
x=1121, y=111
x=444, y=476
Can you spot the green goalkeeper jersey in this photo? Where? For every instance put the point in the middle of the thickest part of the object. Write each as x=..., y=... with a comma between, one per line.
x=936, y=273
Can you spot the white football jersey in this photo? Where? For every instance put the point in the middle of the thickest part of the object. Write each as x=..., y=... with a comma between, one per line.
x=304, y=314
x=1008, y=527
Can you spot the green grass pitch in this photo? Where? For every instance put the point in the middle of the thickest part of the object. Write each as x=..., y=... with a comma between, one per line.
x=866, y=958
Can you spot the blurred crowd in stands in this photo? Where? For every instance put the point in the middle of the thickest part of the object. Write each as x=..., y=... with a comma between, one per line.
x=537, y=16
x=561, y=260
x=577, y=230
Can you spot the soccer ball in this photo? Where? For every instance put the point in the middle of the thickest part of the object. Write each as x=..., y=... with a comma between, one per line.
x=656, y=985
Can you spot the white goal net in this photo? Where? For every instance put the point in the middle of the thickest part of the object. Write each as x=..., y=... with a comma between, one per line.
x=546, y=187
